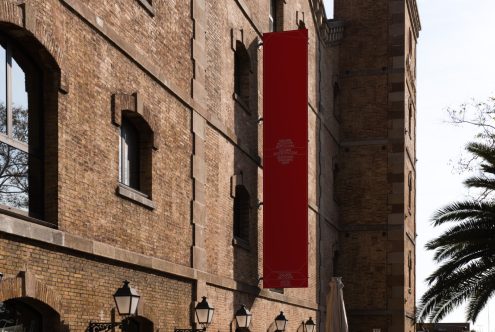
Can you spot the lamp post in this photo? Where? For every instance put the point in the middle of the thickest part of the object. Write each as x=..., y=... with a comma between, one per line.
x=204, y=315
x=281, y=322
x=309, y=326
x=126, y=300
x=243, y=317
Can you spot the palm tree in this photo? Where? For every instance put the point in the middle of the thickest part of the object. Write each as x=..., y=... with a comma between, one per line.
x=466, y=251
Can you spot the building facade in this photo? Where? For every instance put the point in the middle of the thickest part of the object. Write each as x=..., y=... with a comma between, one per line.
x=130, y=149
x=376, y=182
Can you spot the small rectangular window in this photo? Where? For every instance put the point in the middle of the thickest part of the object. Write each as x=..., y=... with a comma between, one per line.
x=129, y=155
x=272, y=17
x=148, y=5
x=276, y=15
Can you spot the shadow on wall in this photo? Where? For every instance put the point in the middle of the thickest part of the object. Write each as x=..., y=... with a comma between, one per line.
x=244, y=186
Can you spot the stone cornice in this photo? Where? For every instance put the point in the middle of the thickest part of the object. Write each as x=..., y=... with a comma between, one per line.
x=412, y=7
x=60, y=240
x=330, y=32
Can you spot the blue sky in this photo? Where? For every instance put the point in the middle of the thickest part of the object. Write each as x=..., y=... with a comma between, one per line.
x=456, y=62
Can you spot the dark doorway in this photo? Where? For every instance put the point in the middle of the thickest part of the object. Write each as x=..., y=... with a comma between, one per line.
x=140, y=324
x=27, y=314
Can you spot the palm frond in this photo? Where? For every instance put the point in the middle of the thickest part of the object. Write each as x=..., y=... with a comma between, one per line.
x=483, y=151
x=463, y=210
x=480, y=182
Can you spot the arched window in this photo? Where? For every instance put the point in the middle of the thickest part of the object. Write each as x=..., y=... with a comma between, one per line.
x=135, y=148
x=242, y=70
x=21, y=149
x=241, y=213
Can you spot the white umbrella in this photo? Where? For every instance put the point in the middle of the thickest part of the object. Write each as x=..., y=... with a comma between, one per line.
x=336, y=317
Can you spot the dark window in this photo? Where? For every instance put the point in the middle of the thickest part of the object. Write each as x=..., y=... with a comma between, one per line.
x=135, y=153
x=21, y=159
x=409, y=268
x=276, y=16
x=410, y=124
x=409, y=192
x=241, y=213
x=242, y=70
x=129, y=154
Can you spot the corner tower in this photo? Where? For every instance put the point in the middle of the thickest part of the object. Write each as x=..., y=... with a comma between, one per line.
x=376, y=178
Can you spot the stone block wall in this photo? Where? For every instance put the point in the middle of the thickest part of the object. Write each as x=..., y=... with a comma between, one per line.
x=376, y=178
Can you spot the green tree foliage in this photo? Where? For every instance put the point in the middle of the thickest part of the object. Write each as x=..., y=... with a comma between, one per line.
x=465, y=252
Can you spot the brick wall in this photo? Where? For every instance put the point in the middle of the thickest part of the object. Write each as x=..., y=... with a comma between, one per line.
x=178, y=56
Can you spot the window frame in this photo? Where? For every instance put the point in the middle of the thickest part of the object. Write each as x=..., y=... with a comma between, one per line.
x=272, y=16
x=148, y=6
x=34, y=147
x=128, y=177
x=276, y=16
x=8, y=138
x=130, y=107
x=242, y=75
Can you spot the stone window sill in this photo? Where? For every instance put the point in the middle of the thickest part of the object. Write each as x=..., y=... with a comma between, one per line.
x=277, y=290
x=20, y=214
x=241, y=103
x=241, y=243
x=148, y=6
x=135, y=196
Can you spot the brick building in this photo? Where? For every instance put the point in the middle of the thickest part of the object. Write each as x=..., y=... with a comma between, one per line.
x=130, y=150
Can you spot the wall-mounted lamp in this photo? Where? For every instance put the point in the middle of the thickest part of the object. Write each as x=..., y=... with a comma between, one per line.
x=243, y=317
x=204, y=315
x=280, y=321
x=126, y=301
x=309, y=326
x=1, y=276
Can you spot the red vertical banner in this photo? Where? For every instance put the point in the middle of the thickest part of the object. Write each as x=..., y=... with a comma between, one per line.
x=285, y=159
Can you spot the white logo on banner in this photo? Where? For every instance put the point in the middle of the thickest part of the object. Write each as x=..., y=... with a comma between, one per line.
x=285, y=151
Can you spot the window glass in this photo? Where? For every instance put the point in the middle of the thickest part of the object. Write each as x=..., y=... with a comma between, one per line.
x=19, y=104
x=272, y=16
x=3, y=91
x=14, y=184
x=129, y=155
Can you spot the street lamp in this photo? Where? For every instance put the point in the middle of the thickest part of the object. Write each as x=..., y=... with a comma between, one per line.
x=204, y=315
x=309, y=326
x=243, y=317
x=126, y=301
x=281, y=321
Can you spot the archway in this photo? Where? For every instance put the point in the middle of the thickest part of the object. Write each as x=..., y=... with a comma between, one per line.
x=28, y=314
